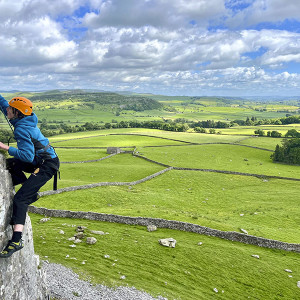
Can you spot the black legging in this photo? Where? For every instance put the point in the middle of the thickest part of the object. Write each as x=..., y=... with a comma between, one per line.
x=27, y=194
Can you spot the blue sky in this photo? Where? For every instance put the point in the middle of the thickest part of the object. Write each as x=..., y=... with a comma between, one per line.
x=178, y=47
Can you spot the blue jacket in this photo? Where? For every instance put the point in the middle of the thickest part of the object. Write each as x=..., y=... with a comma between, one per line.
x=33, y=147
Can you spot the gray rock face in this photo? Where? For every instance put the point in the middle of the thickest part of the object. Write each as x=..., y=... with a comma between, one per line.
x=20, y=275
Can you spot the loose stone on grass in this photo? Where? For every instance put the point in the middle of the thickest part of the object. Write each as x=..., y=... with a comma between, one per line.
x=298, y=284
x=80, y=228
x=91, y=240
x=244, y=231
x=255, y=255
x=79, y=235
x=288, y=270
x=97, y=232
x=43, y=220
x=169, y=242
x=151, y=228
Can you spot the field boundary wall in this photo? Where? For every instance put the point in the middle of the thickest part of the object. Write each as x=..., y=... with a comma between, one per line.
x=220, y=143
x=217, y=171
x=87, y=161
x=237, y=173
x=169, y=224
x=186, y=143
x=93, y=185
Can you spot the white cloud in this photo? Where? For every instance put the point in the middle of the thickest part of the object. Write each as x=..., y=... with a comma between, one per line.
x=266, y=11
x=157, y=13
x=34, y=43
x=147, y=45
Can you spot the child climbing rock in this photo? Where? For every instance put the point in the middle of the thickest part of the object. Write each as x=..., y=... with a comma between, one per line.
x=33, y=155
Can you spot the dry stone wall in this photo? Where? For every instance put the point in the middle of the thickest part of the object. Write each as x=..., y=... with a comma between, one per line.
x=237, y=173
x=21, y=277
x=93, y=185
x=170, y=224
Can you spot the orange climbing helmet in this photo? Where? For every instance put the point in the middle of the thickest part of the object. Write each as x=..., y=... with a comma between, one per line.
x=22, y=104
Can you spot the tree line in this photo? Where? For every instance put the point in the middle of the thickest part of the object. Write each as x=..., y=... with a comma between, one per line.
x=254, y=122
x=288, y=153
x=276, y=134
x=179, y=125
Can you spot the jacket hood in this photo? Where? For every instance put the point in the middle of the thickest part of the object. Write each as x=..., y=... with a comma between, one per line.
x=31, y=121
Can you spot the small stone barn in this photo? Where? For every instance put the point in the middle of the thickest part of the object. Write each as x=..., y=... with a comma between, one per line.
x=113, y=150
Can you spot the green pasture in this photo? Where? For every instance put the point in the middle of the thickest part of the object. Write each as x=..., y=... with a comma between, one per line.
x=83, y=134
x=187, y=272
x=208, y=199
x=191, y=137
x=76, y=115
x=262, y=142
x=69, y=155
x=249, y=130
x=264, y=207
x=190, y=112
x=224, y=113
x=122, y=167
x=115, y=141
x=221, y=157
x=277, y=107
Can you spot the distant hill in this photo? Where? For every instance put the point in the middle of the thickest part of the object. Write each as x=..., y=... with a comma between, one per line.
x=136, y=103
x=144, y=101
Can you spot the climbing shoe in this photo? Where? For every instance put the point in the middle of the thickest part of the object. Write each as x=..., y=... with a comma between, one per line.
x=11, y=248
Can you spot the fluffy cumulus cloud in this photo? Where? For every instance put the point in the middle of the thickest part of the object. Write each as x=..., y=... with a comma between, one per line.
x=183, y=47
x=157, y=13
x=261, y=11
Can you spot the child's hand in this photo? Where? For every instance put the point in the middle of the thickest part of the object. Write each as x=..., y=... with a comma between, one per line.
x=4, y=147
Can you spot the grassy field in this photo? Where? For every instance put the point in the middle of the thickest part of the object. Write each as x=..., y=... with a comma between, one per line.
x=115, y=141
x=79, y=107
x=262, y=142
x=69, y=155
x=221, y=157
x=192, y=113
x=190, y=137
x=264, y=207
x=249, y=130
x=187, y=272
x=123, y=167
x=208, y=199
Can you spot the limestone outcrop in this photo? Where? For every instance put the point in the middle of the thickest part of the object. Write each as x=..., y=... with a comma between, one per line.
x=21, y=277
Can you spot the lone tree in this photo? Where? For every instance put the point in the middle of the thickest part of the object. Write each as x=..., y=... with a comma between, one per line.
x=292, y=133
x=259, y=132
x=274, y=133
x=289, y=152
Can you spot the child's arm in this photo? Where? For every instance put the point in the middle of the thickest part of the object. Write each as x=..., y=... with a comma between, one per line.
x=3, y=105
x=4, y=147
